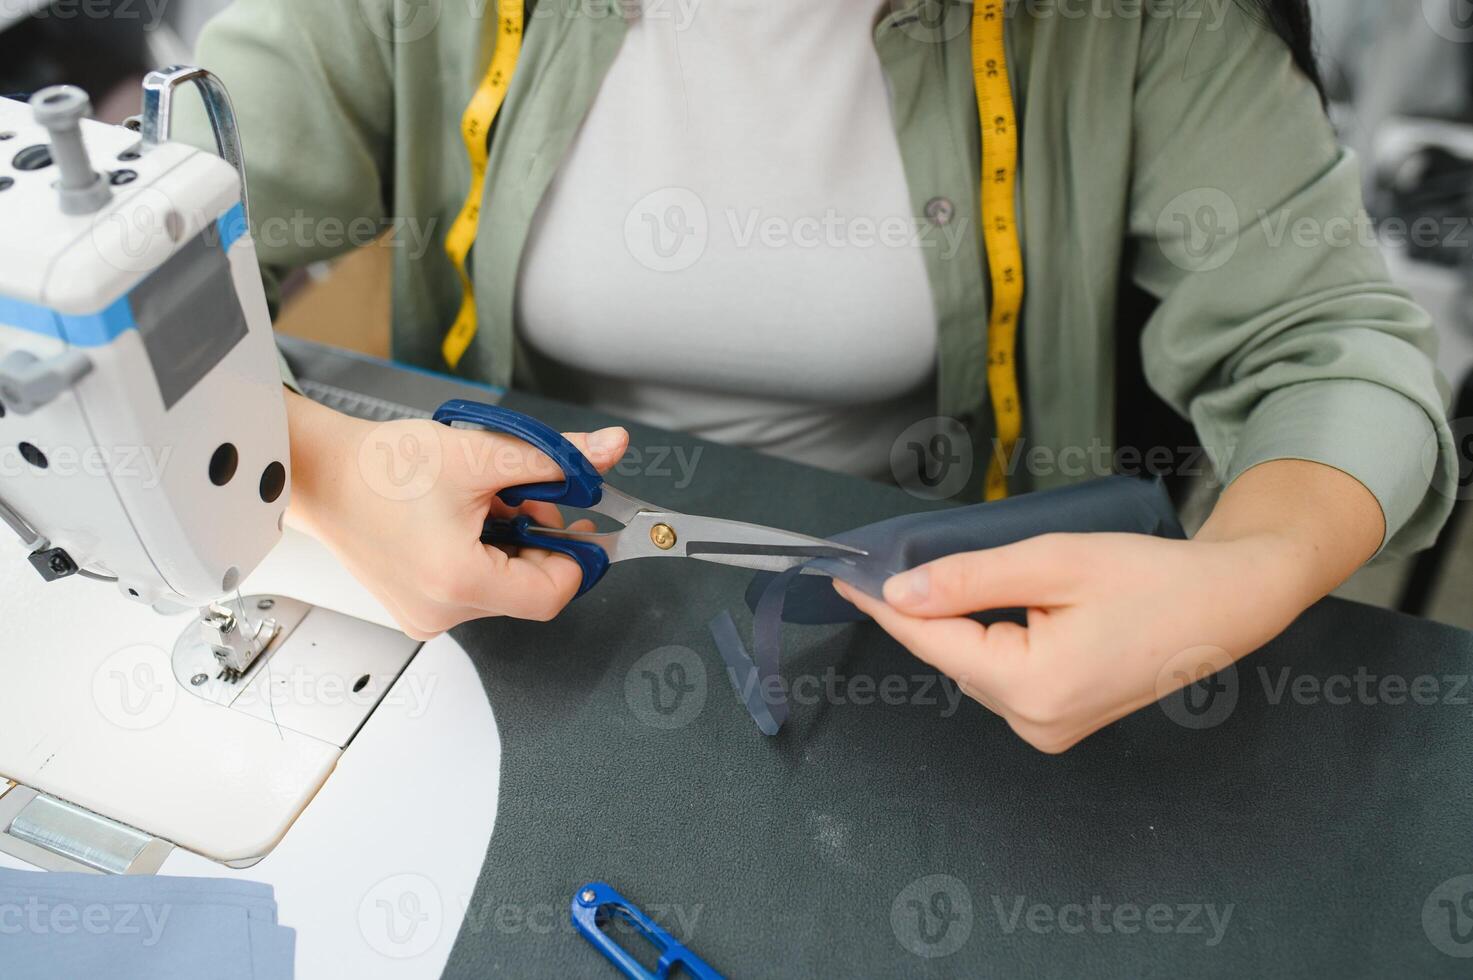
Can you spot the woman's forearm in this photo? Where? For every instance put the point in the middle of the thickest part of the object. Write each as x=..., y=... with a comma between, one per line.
x=1317, y=524
x=319, y=439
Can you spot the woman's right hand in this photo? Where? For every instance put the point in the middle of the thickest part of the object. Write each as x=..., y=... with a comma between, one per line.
x=401, y=504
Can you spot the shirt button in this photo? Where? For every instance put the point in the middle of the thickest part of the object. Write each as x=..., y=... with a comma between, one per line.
x=940, y=210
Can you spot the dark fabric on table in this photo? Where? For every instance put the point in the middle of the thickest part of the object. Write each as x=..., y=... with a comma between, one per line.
x=1117, y=504
x=903, y=542
x=1328, y=828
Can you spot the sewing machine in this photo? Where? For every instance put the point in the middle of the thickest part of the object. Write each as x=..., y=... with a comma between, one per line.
x=145, y=468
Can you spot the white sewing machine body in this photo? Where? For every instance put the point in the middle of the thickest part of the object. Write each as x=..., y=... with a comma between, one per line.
x=143, y=439
x=160, y=292
x=89, y=713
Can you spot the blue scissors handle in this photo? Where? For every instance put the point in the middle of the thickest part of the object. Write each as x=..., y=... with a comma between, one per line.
x=597, y=902
x=581, y=486
x=592, y=559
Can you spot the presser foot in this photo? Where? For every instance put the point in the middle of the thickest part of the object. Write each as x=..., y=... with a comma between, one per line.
x=316, y=672
x=235, y=639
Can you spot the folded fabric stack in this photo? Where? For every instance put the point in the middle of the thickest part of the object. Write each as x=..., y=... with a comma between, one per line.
x=139, y=927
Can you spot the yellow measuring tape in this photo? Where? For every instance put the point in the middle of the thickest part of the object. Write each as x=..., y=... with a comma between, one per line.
x=475, y=127
x=997, y=119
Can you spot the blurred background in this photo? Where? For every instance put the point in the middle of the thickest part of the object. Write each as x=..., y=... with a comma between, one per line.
x=1401, y=80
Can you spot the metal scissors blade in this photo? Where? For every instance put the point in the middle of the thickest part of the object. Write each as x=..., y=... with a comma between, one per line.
x=650, y=532
x=724, y=542
x=731, y=542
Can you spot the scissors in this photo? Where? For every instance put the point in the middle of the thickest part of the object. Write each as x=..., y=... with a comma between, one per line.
x=597, y=906
x=648, y=531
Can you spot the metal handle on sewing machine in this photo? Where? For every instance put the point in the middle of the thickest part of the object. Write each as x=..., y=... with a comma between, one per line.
x=157, y=120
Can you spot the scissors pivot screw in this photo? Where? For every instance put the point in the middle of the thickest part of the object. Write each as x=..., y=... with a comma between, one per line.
x=586, y=896
x=663, y=535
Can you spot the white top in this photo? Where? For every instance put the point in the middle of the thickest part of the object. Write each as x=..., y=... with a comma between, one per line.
x=729, y=248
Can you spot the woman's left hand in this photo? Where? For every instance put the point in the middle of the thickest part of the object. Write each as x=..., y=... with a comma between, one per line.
x=1117, y=621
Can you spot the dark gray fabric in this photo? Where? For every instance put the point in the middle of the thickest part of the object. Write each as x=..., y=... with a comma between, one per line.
x=892, y=546
x=900, y=543
x=1336, y=833
x=752, y=674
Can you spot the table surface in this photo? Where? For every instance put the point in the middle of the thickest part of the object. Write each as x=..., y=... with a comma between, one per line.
x=1321, y=790
x=1330, y=789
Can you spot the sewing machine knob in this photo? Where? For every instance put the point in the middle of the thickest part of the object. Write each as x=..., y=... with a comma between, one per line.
x=61, y=109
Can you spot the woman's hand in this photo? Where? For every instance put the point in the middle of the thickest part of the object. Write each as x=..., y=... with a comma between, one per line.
x=1117, y=621
x=401, y=504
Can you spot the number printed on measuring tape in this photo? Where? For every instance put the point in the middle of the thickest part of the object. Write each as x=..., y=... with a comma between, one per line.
x=996, y=122
x=475, y=130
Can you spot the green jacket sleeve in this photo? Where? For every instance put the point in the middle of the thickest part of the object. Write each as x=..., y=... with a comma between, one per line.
x=1279, y=332
x=313, y=93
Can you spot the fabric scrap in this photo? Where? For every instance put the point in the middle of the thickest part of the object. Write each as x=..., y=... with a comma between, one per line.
x=140, y=926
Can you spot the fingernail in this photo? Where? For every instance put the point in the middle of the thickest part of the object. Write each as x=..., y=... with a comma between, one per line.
x=606, y=441
x=909, y=588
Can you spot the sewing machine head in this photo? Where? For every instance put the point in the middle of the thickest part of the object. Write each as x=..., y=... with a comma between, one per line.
x=143, y=432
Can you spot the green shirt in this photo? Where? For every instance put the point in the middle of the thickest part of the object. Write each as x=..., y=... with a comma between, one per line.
x=1176, y=148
